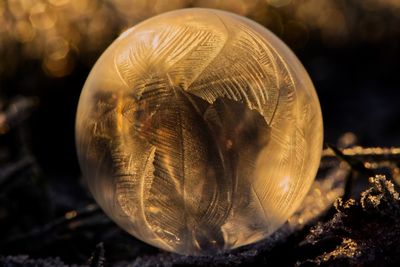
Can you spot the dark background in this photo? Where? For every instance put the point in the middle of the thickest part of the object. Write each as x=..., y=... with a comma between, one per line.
x=351, y=50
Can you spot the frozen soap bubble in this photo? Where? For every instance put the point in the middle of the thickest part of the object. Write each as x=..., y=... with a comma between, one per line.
x=199, y=131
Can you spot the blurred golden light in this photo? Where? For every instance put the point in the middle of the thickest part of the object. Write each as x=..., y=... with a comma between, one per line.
x=161, y=6
x=241, y=7
x=70, y=215
x=57, y=67
x=278, y=3
x=41, y=17
x=58, y=2
x=81, y=6
x=332, y=32
x=16, y=8
x=57, y=48
x=2, y=7
x=88, y=26
x=24, y=32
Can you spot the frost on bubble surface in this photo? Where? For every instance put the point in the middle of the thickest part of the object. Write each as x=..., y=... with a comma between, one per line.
x=199, y=131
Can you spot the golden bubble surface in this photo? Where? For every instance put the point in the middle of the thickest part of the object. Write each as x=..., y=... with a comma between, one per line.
x=199, y=131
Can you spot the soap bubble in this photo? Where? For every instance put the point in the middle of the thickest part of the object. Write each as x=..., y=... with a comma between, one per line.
x=199, y=131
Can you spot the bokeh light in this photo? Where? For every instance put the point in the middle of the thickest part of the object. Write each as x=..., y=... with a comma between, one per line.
x=61, y=32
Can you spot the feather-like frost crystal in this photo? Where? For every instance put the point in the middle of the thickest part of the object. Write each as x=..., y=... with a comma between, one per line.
x=199, y=131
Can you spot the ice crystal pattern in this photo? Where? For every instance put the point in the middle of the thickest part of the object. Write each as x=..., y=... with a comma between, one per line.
x=199, y=131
